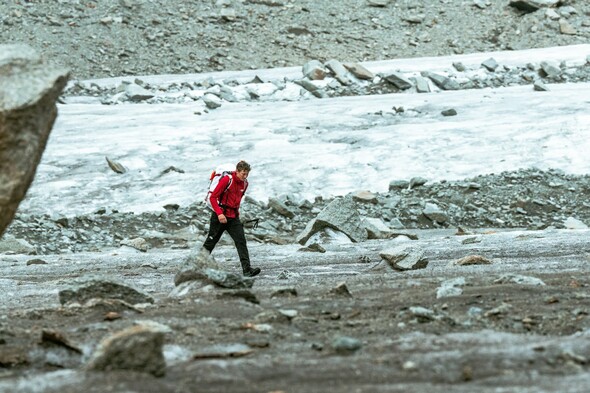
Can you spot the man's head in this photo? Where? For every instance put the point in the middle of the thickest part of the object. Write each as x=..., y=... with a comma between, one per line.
x=242, y=170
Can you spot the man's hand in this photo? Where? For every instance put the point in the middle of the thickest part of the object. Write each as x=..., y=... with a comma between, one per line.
x=222, y=219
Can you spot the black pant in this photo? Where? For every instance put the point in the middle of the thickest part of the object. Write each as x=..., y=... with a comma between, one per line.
x=236, y=230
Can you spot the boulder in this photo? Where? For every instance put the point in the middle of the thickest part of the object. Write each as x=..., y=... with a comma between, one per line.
x=29, y=89
x=137, y=348
x=90, y=289
x=404, y=258
x=341, y=215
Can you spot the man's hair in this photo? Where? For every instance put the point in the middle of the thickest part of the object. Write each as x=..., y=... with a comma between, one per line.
x=243, y=166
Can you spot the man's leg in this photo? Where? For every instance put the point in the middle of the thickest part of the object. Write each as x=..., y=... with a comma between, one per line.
x=215, y=231
x=236, y=231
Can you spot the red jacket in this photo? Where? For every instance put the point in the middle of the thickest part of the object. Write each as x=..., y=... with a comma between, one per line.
x=230, y=199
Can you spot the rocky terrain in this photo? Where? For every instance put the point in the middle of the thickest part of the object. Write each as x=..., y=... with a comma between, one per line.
x=139, y=37
x=527, y=199
x=472, y=285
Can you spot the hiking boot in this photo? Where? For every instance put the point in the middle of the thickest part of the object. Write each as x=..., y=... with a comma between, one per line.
x=252, y=272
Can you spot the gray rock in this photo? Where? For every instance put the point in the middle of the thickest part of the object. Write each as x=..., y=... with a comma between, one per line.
x=225, y=279
x=312, y=88
x=398, y=185
x=459, y=66
x=482, y=4
x=398, y=80
x=490, y=64
x=339, y=71
x=417, y=182
x=435, y=213
x=422, y=85
x=566, y=28
x=340, y=290
x=137, y=93
x=449, y=112
x=450, y=287
x=532, y=5
x=359, y=71
x=538, y=85
x=139, y=243
x=115, y=166
x=404, y=258
x=88, y=289
x=212, y=101
x=280, y=207
x=441, y=81
x=346, y=345
x=314, y=70
x=519, y=279
x=340, y=214
x=364, y=197
x=378, y=3
x=574, y=223
x=376, y=228
x=138, y=348
x=29, y=90
x=11, y=245
x=194, y=265
x=551, y=69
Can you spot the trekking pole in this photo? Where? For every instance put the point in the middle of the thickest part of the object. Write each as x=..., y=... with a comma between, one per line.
x=254, y=220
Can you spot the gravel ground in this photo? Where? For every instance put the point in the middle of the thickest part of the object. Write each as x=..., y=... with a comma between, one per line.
x=339, y=320
x=140, y=37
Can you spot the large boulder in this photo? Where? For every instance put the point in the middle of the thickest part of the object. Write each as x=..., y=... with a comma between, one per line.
x=341, y=215
x=29, y=89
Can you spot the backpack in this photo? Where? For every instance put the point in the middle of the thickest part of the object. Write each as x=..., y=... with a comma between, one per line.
x=216, y=175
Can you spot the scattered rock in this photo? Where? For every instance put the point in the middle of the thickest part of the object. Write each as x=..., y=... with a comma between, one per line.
x=404, y=258
x=85, y=290
x=345, y=345
x=472, y=260
x=137, y=348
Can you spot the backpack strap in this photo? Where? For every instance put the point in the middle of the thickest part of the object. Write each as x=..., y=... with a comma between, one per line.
x=229, y=183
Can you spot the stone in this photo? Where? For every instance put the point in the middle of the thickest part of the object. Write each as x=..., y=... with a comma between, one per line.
x=29, y=90
x=519, y=279
x=280, y=207
x=346, y=345
x=449, y=112
x=434, y=213
x=137, y=348
x=314, y=70
x=85, y=290
x=398, y=80
x=490, y=64
x=137, y=93
x=364, y=197
x=376, y=228
x=472, y=260
x=566, y=28
x=538, y=85
x=443, y=82
x=574, y=223
x=404, y=258
x=532, y=5
x=421, y=83
x=339, y=71
x=341, y=215
x=359, y=71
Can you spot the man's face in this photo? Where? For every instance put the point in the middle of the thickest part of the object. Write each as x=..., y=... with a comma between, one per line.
x=242, y=175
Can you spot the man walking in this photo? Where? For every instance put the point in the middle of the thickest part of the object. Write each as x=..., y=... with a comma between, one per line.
x=225, y=202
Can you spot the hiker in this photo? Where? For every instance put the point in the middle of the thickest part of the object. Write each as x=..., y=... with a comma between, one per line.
x=225, y=202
